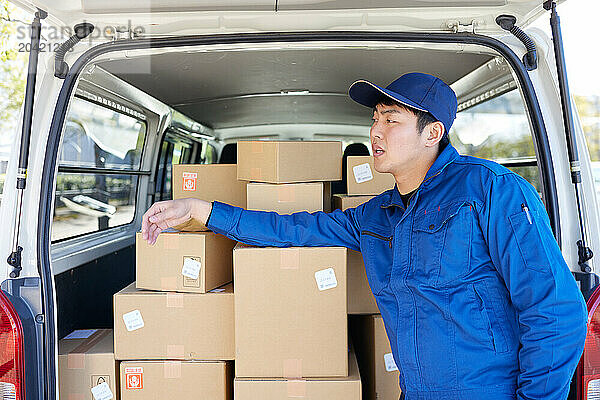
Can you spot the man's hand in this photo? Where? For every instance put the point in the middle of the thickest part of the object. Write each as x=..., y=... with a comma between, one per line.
x=166, y=214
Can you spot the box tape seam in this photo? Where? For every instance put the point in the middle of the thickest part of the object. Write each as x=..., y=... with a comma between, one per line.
x=296, y=388
x=172, y=369
x=76, y=357
x=292, y=368
x=289, y=258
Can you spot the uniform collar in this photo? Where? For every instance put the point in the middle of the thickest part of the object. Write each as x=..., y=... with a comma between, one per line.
x=447, y=155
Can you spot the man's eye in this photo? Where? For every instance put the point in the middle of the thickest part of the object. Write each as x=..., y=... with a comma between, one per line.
x=389, y=121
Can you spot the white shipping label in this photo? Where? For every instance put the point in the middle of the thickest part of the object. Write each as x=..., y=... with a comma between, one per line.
x=133, y=320
x=191, y=267
x=362, y=173
x=102, y=392
x=390, y=364
x=326, y=279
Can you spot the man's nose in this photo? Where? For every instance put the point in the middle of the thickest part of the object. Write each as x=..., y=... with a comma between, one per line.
x=376, y=131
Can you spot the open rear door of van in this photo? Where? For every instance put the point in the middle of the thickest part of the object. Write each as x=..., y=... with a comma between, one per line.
x=147, y=19
x=185, y=17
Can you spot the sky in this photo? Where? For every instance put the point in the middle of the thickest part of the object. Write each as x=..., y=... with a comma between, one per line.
x=579, y=25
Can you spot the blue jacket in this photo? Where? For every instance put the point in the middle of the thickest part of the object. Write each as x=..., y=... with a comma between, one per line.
x=477, y=300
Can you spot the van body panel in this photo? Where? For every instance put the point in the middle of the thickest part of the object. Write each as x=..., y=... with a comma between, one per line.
x=46, y=91
x=546, y=86
x=164, y=17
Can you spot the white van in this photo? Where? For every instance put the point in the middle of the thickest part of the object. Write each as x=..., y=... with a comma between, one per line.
x=160, y=82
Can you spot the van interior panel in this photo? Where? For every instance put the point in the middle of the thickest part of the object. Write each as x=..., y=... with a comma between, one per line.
x=240, y=88
x=84, y=294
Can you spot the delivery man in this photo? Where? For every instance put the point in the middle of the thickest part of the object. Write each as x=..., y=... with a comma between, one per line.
x=477, y=300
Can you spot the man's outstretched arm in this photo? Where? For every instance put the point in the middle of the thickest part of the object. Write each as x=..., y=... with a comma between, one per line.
x=258, y=227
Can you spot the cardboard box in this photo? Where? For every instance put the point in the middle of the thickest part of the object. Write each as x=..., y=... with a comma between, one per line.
x=170, y=325
x=346, y=388
x=378, y=370
x=360, y=296
x=343, y=201
x=207, y=182
x=289, y=198
x=184, y=262
x=364, y=180
x=289, y=161
x=86, y=362
x=290, y=312
x=176, y=380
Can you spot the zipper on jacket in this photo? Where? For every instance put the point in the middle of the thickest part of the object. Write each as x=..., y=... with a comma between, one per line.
x=388, y=239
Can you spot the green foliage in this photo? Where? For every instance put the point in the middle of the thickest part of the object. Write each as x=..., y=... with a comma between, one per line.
x=13, y=64
x=499, y=150
x=588, y=108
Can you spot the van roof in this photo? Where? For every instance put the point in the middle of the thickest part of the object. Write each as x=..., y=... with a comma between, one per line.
x=168, y=16
x=297, y=83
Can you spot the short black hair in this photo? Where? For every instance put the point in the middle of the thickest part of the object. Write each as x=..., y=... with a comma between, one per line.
x=423, y=118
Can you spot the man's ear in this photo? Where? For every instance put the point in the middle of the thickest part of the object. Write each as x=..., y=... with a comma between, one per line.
x=435, y=132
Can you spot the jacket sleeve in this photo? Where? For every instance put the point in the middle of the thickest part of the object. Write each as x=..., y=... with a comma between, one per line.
x=261, y=228
x=552, y=314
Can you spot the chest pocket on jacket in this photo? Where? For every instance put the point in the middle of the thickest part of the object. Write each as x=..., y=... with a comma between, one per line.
x=377, y=256
x=441, y=243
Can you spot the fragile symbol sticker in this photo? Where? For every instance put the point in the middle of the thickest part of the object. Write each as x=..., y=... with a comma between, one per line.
x=102, y=392
x=133, y=320
x=326, y=279
x=189, y=181
x=191, y=267
x=362, y=173
x=134, y=378
x=390, y=364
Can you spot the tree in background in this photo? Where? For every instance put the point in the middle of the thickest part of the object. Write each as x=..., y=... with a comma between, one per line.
x=588, y=108
x=13, y=67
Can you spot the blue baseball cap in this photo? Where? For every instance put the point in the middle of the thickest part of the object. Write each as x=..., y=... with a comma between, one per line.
x=416, y=90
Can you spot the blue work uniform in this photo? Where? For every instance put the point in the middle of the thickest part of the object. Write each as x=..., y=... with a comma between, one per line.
x=477, y=300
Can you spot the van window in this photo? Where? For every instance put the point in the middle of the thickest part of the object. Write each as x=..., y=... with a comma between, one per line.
x=95, y=189
x=210, y=154
x=98, y=137
x=174, y=150
x=498, y=129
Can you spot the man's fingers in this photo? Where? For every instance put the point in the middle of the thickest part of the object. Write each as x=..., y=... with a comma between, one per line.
x=162, y=217
x=155, y=208
x=153, y=232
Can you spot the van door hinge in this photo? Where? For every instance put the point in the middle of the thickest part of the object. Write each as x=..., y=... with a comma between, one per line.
x=458, y=27
x=123, y=32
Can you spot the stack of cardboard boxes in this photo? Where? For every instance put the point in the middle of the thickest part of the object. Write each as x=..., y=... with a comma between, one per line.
x=174, y=326
x=179, y=327
x=290, y=303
